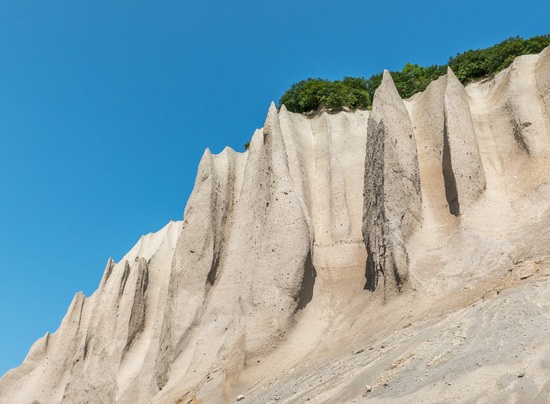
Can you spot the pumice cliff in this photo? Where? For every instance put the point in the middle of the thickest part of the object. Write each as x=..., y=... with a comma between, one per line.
x=393, y=200
x=395, y=255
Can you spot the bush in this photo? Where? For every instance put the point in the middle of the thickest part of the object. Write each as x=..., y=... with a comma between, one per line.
x=357, y=92
x=477, y=64
x=312, y=94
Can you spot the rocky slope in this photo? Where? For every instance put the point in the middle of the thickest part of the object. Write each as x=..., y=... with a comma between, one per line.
x=393, y=255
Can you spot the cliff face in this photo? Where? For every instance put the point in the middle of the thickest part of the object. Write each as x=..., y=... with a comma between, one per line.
x=393, y=200
x=331, y=230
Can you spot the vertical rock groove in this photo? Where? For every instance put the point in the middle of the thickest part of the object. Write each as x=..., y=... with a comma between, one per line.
x=451, y=192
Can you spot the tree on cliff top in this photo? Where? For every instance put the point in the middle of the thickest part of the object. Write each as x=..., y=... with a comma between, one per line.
x=357, y=92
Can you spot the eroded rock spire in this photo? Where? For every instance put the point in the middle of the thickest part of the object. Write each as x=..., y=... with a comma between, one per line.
x=393, y=201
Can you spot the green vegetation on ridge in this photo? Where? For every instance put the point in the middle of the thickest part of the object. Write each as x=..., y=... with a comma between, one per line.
x=353, y=93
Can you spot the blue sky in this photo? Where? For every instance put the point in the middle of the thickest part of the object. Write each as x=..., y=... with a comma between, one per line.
x=107, y=106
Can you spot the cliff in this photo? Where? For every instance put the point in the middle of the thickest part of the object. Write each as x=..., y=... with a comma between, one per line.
x=409, y=235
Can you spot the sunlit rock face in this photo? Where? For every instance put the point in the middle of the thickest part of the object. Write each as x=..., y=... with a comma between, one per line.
x=333, y=231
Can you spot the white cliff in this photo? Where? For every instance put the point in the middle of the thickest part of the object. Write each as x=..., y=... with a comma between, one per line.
x=406, y=248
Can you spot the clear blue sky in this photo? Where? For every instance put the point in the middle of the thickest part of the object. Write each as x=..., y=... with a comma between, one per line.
x=107, y=106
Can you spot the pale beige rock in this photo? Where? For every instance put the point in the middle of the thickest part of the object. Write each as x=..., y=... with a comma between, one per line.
x=462, y=166
x=259, y=291
x=393, y=201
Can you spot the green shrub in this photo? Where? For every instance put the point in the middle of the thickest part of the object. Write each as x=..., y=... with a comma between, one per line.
x=477, y=64
x=357, y=92
x=312, y=94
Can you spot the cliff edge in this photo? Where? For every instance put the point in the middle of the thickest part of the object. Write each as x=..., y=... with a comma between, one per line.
x=396, y=254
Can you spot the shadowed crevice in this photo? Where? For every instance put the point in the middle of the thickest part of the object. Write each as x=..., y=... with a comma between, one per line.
x=451, y=192
x=211, y=278
x=308, y=282
x=371, y=273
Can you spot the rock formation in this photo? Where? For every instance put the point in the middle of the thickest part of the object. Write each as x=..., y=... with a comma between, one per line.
x=398, y=248
x=393, y=201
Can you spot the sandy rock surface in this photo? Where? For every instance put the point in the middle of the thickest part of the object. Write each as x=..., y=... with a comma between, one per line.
x=397, y=255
